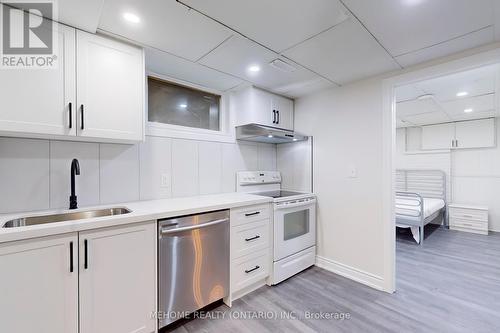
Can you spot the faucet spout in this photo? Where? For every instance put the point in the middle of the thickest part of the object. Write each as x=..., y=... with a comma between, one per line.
x=75, y=170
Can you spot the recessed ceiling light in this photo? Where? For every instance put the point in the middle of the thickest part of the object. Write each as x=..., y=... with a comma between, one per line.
x=254, y=68
x=468, y=110
x=462, y=94
x=183, y=106
x=131, y=17
x=270, y=136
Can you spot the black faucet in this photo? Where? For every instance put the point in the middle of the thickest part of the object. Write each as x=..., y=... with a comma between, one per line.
x=75, y=170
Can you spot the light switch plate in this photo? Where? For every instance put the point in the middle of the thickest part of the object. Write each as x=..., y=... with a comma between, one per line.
x=165, y=180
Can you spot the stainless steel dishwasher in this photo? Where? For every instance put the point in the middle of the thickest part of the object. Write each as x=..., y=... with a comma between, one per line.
x=193, y=261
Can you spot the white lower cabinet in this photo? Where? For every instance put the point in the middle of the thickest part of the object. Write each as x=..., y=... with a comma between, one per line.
x=38, y=289
x=108, y=285
x=251, y=229
x=117, y=279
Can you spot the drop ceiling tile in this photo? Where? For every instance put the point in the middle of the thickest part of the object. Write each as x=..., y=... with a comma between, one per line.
x=303, y=88
x=166, y=25
x=478, y=38
x=171, y=66
x=478, y=104
x=238, y=53
x=278, y=24
x=409, y=25
x=427, y=118
x=497, y=20
x=416, y=107
x=474, y=115
x=479, y=81
x=76, y=13
x=408, y=92
x=343, y=54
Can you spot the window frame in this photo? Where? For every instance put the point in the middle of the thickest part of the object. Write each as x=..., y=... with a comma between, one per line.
x=226, y=132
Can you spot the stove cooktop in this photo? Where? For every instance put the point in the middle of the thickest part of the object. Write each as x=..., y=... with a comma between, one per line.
x=278, y=194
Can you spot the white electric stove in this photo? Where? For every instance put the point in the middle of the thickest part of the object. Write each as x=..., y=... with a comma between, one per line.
x=294, y=222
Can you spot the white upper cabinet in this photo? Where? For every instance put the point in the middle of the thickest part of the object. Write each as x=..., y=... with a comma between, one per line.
x=94, y=93
x=438, y=136
x=110, y=87
x=253, y=105
x=283, y=108
x=39, y=285
x=41, y=101
x=475, y=133
x=460, y=135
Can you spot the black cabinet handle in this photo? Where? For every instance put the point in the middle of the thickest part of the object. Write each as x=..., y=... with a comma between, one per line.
x=252, y=214
x=86, y=254
x=253, y=269
x=82, y=110
x=278, y=119
x=71, y=257
x=70, y=108
x=274, y=116
x=252, y=238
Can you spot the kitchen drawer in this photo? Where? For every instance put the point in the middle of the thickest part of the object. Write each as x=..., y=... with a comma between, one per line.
x=469, y=225
x=250, y=269
x=469, y=214
x=249, y=238
x=249, y=214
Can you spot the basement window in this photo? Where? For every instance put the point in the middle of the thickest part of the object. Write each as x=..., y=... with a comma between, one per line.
x=174, y=104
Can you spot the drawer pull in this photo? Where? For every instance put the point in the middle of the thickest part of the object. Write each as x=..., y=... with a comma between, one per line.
x=252, y=238
x=253, y=269
x=468, y=216
x=252, y=214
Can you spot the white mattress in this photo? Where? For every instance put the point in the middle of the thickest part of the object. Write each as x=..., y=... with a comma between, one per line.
x=409, y=207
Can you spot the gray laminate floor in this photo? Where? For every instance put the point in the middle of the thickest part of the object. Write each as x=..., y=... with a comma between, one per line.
x=450, y=284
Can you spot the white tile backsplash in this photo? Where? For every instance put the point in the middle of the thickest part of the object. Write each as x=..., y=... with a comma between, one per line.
x=24, y=175
x=35, y=174
x=210, y=167
x=119, y=173
x=155, y=164
x=184, y=168
x=87, y=183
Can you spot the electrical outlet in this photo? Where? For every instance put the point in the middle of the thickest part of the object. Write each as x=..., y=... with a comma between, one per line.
x=354, y=172
x=165, y=180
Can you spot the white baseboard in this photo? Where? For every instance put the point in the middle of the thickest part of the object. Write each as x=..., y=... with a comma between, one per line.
x=352, y=273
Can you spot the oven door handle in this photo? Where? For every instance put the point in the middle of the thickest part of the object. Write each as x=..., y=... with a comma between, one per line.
x=309, y=202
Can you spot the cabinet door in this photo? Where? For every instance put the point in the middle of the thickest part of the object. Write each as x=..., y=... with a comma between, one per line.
x=261, y=108
x=476, y=133
x=438, y=136
x=284, y=108
x=38, y=291
x=110, y=92
x=118, y=279
x=36, y=101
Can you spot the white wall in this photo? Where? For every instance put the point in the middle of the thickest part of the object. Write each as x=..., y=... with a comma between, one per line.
x=294, y=161
x=420, y=160
x=35, y=174
x=473, y=175
x=346, y=124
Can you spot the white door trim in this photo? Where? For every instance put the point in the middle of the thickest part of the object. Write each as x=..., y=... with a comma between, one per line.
x=468, y=62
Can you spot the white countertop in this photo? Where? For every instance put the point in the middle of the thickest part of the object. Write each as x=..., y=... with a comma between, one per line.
x=141, y=211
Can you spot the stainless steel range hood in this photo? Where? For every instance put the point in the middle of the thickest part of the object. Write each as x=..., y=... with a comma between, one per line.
x=267, y=134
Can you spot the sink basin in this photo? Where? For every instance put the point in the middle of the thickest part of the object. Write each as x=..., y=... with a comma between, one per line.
x=43, y=219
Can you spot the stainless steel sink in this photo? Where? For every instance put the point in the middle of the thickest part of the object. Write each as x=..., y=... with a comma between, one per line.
x=43, y=219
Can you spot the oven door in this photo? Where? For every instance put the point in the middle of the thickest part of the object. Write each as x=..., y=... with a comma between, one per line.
x=294, y=227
